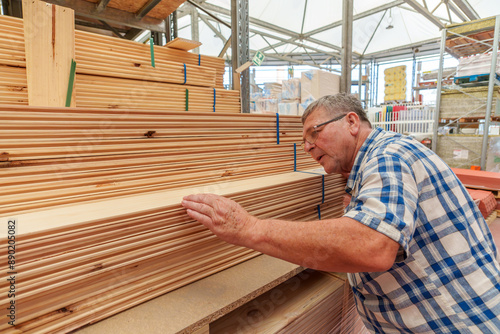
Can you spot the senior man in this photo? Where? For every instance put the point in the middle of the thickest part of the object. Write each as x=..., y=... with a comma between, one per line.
x=419, y=254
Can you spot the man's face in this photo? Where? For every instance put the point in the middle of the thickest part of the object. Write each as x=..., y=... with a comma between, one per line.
x=327, y=144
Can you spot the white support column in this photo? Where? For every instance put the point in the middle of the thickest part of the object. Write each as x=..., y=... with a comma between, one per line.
x=438, y=91
x=347, y=13
x=491, y=86
x=195, y=28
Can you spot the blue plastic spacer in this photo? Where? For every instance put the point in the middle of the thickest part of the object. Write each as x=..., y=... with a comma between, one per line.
x=323, y=189
x=214, y=100
x=199, y=59
x=277, y=128
x=185, y=75
x=152, y=51
x=294, y=157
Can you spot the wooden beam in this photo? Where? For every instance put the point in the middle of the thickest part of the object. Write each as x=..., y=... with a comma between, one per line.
x=102, y=5
x=133, y=33
x=49, y=33
x=243, y=67
x=147, y=8
x=113, y=29
x=112, y=15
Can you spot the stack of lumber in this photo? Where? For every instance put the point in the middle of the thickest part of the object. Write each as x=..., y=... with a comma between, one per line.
x=351, y=321
x=117, y=74
x=484, y=187
x=466, y=102
x=485, y=200
x=96, y=197
x=13, y=85
x=89, y=261
x=12, y=52
x=63, y=155
x=117, y=93
x=311, y=302
x=469, y=38
x=108, y=56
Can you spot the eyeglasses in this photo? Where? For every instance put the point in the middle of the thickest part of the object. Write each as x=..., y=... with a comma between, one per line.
x=313, y=132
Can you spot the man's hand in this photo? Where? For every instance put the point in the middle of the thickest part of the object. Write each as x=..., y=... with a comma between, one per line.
x=337, y=244
x=224, y=217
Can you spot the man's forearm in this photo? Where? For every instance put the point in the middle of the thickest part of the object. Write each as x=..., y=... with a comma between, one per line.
x=342, y=244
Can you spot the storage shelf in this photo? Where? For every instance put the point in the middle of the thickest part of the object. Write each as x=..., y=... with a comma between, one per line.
x=470, y=38
x=464, y=102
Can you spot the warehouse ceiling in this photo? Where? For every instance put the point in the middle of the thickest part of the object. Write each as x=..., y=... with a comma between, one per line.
x=310, y=31
x=291, y=31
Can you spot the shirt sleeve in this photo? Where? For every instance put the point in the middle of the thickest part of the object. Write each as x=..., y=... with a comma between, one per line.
x=385, y=198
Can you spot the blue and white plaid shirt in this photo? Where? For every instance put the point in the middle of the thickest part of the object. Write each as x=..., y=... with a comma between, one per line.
x=446, y=278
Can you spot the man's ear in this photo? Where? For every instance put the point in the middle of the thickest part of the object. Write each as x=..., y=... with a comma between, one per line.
x=354, y=123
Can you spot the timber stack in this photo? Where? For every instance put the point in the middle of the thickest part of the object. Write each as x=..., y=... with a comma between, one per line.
x=119, y=74
x=93, y=189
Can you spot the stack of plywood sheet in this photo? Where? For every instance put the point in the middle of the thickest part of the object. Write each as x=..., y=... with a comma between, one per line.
x=315, y=84
x=311, y=302
x=467, y=102
x=83, y=262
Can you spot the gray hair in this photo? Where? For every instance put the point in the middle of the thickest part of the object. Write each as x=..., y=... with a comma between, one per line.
x=342, y=103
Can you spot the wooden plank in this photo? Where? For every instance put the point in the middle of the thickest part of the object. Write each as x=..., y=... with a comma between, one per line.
x=57, y=217
x=49, y=32
x=183, y=44
x=291, y=307
x=198, y=304
x=126, y=265
x=95, y=53
x=64, y=156
x=471, y=27
x=160, y=11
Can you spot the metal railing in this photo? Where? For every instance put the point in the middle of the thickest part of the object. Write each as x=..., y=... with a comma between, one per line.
x=404, y=118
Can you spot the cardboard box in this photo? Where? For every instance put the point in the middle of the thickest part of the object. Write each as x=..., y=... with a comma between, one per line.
x=288, y=108
x=317, y=83
x=290, y=89
x=266, y=106
x=477, y=64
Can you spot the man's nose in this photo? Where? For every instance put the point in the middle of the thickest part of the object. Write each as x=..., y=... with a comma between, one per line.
x=308, y=146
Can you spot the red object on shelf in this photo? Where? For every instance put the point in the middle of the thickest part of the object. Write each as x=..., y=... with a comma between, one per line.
x=478, y=178
x=487, y=201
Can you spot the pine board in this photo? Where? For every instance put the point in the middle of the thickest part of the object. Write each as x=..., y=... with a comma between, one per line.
x=50, y=39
